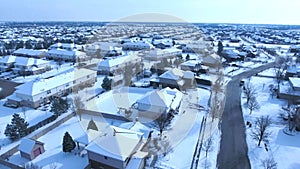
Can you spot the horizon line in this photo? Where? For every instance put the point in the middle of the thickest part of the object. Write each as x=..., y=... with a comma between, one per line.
x=147, y=22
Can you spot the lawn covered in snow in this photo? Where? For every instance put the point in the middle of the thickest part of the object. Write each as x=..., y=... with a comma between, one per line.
x=53, y=148
x=32, y=116
x=284, y=148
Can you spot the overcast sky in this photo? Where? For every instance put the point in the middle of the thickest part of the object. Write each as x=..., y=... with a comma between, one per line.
x=211, y=11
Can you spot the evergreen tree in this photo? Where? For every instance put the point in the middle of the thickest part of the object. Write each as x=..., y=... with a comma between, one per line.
x=68, y=143
x=17, y=128
x=28, y=44
x=59, y=106
x=20, y=45
x=92, y=125
x=220, y=48
x=106, y=84
x=187, y=57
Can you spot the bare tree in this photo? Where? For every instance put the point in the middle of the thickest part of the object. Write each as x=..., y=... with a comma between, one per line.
x=78, y=105
x=279, y=68
x=249, y=91
x=207, y=145
x=253, y=104
x=272, y=90
x=269, y=163
x=261, y=131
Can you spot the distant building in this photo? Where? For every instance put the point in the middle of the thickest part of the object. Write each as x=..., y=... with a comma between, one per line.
x=139, y=45
x=157, y=102
x=191, y=65
x=30, y=53
x=158, y=54
x=119, y=149
x=66, y=46
x=66, y=55
x=117, y=65
x=38, y=92
x=24, y=65
x=30, y=149
x=103, y=49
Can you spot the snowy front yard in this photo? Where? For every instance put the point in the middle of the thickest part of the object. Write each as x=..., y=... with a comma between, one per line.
x=285, y=149
x=53, y=155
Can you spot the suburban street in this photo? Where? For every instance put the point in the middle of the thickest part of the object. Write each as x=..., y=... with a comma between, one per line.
x=233, y=152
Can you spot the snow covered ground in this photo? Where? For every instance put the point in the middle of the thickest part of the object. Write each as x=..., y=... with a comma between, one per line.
x=284, y=148
x=53, y=148
x=55, y=70
x=182, y=154
x=32, y=116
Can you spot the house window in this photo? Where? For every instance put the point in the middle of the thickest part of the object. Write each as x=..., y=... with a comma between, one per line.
x=105, y=157
x=67, y=85
x=48, y=91
x=74, y=81
x=88, y=76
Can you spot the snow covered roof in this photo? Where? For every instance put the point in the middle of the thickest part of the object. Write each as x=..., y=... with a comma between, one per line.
x=37, y=86
x=166, y=98
x=29, y=52
x=8, y=59
x=64, y=45
x=295, y=81
x=87, y=137
x=27, y=145
x=116, y=61
x=138, y=127
x=23, y=61
x=119, y=145
x=64, y=52
x=191, y=63
x=174, y=74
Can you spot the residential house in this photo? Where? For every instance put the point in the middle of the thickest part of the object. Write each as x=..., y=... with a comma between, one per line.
x=30, y=66
x=139, y=45
x=175, y=78
x=119, y=149
x=24, y=65
x=191, y=65
x=7, y=63
x=66, y=46
x=116, y=65
x=155, y=103
x=38, y=92
x=30, y=148
x=66, y=55
x=30, y=53
x=103, y=49
x=158, y=54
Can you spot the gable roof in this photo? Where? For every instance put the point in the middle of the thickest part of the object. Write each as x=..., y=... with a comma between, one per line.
x=162, y=98
x=37, y=86
x=173, y=74
x=118, y=145
x=117, y=61
x=27, y=145
x=29, y=52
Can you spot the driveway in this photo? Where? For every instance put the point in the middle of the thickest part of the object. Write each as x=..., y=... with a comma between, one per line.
x=7, y=88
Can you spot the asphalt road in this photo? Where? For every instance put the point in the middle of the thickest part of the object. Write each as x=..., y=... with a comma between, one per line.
x=7, y=88
x=233, y=152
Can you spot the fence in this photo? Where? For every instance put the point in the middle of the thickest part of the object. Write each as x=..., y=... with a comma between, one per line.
x=13, y=150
